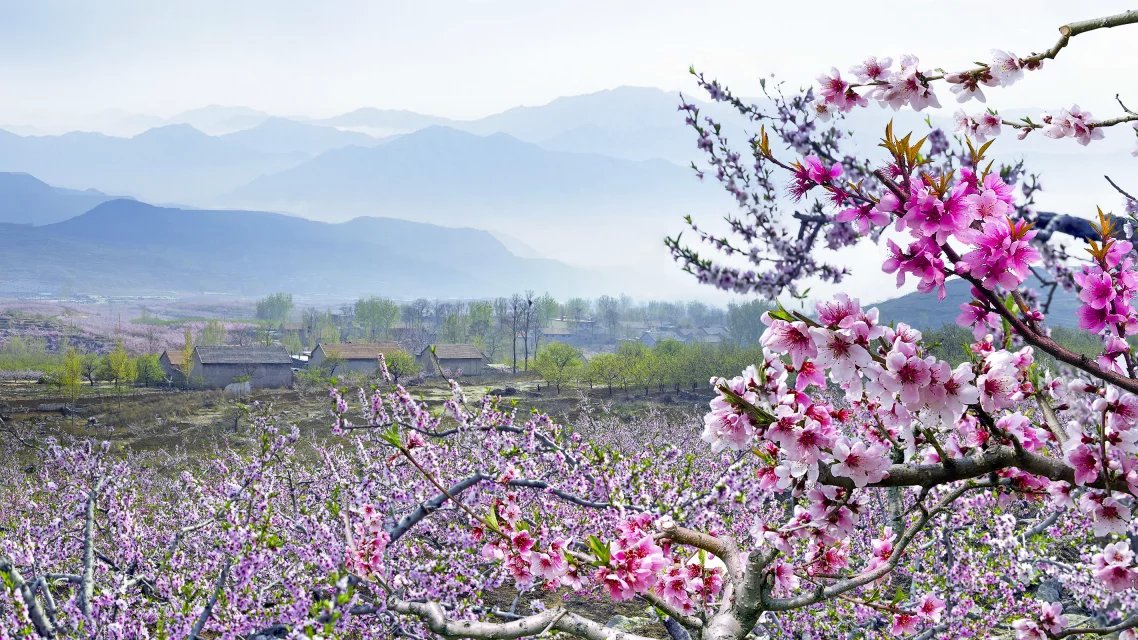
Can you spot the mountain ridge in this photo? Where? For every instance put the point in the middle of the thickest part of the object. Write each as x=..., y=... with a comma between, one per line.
x=127, y=246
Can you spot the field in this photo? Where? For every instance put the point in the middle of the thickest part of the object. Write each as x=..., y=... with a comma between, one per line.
x=199, y=423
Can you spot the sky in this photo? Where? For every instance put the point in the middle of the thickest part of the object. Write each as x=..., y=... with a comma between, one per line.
x=470, y=58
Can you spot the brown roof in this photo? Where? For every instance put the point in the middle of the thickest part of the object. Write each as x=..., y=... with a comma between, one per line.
x=244, y=355
x=176, y=358
x=457, y=352
x=359, y=351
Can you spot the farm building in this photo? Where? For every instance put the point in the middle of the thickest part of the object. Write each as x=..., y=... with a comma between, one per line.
x=351, y=356
x=172, y=361
x=265, y=367
x=455, y=359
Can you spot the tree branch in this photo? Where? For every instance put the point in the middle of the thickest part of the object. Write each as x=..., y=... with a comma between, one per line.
x=87, y=584
x=1128, y=623
x=838, y=588
x=207, y=611
x=39, y=620
x=433, y=615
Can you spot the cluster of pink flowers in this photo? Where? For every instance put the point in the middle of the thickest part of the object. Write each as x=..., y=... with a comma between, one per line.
x=929, y=609
x=1106, y=289
x=635, y=560
x=909, y=86
x=366, y=543
x=979, y=127
x=1051, y=620
x=686, y=585
x=1071, y=123
x=513, y=545
x=973, y=211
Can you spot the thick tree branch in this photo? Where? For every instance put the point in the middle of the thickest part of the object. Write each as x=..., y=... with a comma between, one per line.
x=1129, y=623
x=966, y=468
x=87, y=585
x=434, y=616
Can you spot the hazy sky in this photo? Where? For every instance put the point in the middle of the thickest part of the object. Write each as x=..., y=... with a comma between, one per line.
x=471, y=58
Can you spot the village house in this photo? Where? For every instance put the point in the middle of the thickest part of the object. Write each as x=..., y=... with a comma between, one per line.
x=351, y=356
x=455, y=359
x=263, y=367
x=172, y=361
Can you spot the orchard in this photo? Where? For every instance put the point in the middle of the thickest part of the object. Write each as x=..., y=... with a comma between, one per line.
x=849, y=485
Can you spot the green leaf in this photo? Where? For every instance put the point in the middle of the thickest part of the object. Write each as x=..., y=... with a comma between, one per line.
x=599, y=549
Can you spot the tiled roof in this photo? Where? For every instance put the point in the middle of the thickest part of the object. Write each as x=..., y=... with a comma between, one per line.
x=275, y=354
x=360, y=351
x=176, y=357
x=457, y=352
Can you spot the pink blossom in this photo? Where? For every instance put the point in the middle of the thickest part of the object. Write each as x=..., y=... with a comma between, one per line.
x=782, y=573
x=930, y=607
x=872, y=70
x=1051, y=616
x=989, y=204
x=1085, y=461
x=1096, y=287
x=863, y=217
x=809, y=374
x=904, y=623
x=839, y=352
x=864, y=465
x=1112, y=567
x=832, y=312
x=1005, y=68
x=978, y=316
x=1002, y=255
x=792, y=338
x=834, y=89
x=907, y=375
x=1071, y=123
x=908, y=86
x=1028, y=630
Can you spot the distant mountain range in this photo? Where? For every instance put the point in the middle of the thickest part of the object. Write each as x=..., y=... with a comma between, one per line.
x=599, y=154
x=596, y=179
x=175, y=163
x=125, y=246
x=445, y=175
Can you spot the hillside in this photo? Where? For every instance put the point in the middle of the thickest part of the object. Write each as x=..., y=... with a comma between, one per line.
x=924, y=311
x=24, y=199
x=124, y=246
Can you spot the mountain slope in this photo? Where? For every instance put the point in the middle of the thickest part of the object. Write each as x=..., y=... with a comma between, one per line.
x=623, y=108
x=218, y=119
x=125, y=246
x=444, y=175
x=924, y=311
x=170, y=163
x=284, y=136
x=25, y=199
x=385, y=122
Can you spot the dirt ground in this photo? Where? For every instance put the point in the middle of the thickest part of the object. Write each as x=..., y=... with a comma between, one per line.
x=162, y=418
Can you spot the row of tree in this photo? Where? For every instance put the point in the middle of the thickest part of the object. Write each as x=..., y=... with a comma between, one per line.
x=507, y=329
x=118, y=367
x=668, y=364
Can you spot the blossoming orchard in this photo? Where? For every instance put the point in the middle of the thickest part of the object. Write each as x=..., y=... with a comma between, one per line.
x=850, y=485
